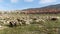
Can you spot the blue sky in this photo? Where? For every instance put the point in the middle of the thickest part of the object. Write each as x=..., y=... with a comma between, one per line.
x=24, y=4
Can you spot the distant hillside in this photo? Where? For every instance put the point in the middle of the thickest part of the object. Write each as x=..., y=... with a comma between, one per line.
x=48, y=9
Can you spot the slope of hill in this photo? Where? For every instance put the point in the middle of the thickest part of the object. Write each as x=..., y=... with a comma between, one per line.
x=48, y=9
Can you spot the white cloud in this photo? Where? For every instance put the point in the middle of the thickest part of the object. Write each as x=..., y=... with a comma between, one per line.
x=28, y=0
x=47, y=1
x=14, y=1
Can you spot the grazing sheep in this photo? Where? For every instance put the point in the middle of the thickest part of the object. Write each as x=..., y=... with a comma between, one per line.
x=23, y=22
x=54, y=18
x=20, y=23
x=34, y=18
x=0, y=26
x=18, y=20
x=12, y=23
x=39, y=21
x=15, y=23
x=31, y=20
x=27, y=22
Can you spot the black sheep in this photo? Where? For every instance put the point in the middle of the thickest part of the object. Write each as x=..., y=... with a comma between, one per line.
x=11, y=25
x=54, y=19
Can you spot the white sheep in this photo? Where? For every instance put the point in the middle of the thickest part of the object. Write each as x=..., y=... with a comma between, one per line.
x=38, y=20
x=27, y=22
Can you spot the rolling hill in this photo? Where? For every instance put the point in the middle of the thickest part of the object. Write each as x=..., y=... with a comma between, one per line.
x=51, y=9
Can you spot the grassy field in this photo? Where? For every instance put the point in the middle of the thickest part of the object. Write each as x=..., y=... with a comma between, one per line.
x=44, y=26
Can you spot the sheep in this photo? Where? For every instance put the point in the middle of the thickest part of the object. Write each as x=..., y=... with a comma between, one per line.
x=39, y=21
x=34, y=18
x=20, y=23
x=54, y=18
x=12, y=23
x=27, y=22
x=23, y=22
x=18, y=20
x=0, y=26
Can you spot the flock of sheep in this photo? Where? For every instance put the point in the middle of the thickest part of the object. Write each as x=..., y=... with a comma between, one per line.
x=11, y=21
x=29, y=20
